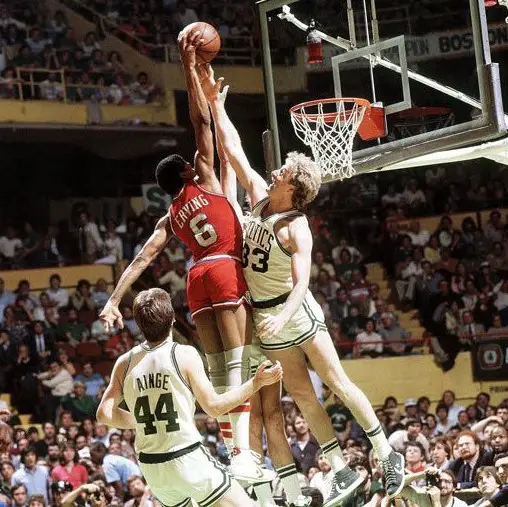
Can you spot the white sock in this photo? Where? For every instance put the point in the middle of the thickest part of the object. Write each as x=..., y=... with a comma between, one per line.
x=218, y=378
x=238, y=371
x=332, y=451
x=264, y=495
x=378, y=440
x=289, y=478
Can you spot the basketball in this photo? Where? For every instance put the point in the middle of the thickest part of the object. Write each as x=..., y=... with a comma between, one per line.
x=211, y=44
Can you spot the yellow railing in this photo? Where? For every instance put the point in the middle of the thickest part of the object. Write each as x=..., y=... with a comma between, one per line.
x=27, y=83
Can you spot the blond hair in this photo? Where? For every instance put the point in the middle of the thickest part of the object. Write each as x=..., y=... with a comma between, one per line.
x=305, y=177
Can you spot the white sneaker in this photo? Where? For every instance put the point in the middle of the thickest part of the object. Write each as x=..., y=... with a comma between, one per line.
x=245, y=467
x=301, y=501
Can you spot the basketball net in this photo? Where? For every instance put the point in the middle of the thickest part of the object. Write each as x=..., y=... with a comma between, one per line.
x=330, y=135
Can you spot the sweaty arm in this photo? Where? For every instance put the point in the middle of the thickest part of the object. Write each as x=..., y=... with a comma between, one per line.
x=251, y=181
x=148, y=253
x=300, y=245
x=228, y=180
x=218, y=404
x=200, y=117
x=108, y=412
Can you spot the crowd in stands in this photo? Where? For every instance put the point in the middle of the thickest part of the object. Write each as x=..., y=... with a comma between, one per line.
x=44, y=60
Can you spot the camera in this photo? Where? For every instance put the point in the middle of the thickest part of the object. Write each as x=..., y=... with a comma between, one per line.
x=432, y=480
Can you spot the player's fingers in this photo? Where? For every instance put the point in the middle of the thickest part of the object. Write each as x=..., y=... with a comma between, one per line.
x=120, y=322
x=210, y=71
x=195, y=38
x=225, y=91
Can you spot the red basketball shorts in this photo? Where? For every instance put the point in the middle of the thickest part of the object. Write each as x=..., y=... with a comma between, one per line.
x=215, y=283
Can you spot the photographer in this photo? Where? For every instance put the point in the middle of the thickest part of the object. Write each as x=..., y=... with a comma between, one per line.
x=58, y=490
x=89, y=494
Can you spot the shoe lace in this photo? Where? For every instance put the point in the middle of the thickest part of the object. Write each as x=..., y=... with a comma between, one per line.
x=389, y=472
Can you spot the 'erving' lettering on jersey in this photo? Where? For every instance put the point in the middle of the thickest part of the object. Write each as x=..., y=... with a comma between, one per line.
x=153, y=381
x=259, y=235
x=189, y=208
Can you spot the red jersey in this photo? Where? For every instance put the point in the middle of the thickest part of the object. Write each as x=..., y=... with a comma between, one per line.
x=205, y=222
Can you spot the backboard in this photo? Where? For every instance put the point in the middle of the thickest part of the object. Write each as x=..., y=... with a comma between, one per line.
x=430, y=67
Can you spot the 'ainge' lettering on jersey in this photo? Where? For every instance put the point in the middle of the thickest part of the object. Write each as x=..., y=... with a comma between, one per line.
x=259, y=235
x=189, y=208
x=153, y=381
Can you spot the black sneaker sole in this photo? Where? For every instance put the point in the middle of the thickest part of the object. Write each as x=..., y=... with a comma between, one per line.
x=346, y=493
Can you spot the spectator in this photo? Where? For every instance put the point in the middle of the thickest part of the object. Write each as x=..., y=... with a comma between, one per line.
x=453, y=409
x=69, y=469
x=19, y=496
x=414, y=456
x=440, y=453
x=90, y=44
x=341, y=419
x=408, y=272
x=72, y=331
x=6, y=297
x=471, y=457
x=412, y=433
x=142, y=91
x=394, y=337
x=34, y=477
x=431, y=251
x=447, y=486
x=41, y=344
x=413, y=198
x=339, y=307
x=113, y=246
x=319, y=264
x=322, y=479
x=140, y=493
x=56, y=293
x=499, y=440
x=92, y=380
x=489, y=483
x=303, y=446
x=89, y=239
x=175, y=280
x=184, y=16
x=419, y=237
x=100, y=293
x=117, y=469
x=49, y=438
x=59, y=381
x=79, y=403
x=51, y=89
x=368, y=342
x=129, y=321
x=35, y=41
x=10, y=245
x=82, y=299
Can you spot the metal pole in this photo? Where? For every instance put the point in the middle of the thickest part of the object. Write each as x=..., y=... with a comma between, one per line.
x=481, y=44
x=351, y=23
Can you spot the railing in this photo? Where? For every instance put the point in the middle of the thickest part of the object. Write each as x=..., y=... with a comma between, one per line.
x=235, y=50
x=28, y=84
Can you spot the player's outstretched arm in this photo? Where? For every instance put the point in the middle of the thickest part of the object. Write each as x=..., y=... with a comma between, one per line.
x=108, y=412
x=157, y=241
x=219, y=404
x=253, y=183
x=228, y=179
x=199, y=112
x=300, y=243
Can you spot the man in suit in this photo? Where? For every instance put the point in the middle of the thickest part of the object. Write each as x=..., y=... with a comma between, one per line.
x=8, y=355
x=472, y=456
x=41, y=344
x=470, y=330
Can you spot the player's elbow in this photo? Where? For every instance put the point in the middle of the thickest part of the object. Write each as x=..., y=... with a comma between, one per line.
x=101, y=415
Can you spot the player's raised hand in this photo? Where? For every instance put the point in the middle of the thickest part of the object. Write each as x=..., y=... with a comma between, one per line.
x=111, y=317
x=188, y=42
x=270, y=326
x=268, y=374
x=212, y=89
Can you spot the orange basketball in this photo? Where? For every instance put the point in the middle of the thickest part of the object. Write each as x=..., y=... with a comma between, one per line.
x=211, y=44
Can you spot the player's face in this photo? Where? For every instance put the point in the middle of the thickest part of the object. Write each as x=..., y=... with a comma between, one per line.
x=281, y=180
x=188, y=172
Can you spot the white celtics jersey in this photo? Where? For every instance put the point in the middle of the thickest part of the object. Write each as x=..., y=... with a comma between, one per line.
x=266, y=264
x=160, y=399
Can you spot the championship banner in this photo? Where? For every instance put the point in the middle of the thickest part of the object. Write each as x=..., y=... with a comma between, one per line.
x=434, y=46
x=489, y=357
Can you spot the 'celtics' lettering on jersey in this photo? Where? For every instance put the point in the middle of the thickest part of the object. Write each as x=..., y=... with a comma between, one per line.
x=160, y=400
x=266, y=264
